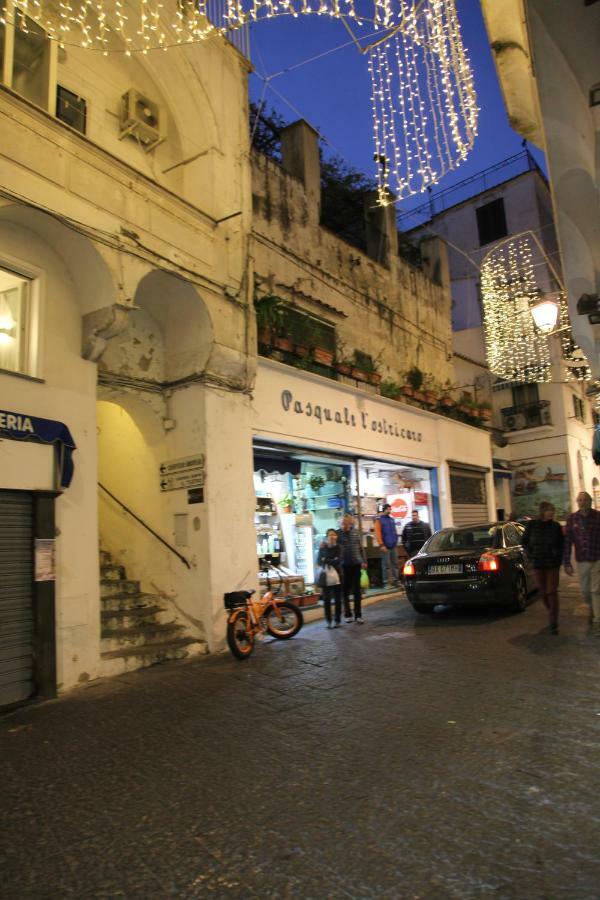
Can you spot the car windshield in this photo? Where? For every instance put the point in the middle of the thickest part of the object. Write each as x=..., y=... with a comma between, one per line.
x=478, y=538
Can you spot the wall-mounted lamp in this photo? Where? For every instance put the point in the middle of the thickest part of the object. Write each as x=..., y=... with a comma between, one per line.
x=545, y=315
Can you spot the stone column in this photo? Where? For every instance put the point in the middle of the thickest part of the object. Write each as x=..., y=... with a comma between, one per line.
x=300, y=157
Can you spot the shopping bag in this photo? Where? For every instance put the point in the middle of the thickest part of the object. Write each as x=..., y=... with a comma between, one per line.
x=364, y=579
x=331, y=576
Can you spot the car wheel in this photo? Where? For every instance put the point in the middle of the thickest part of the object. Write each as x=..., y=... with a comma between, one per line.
x=422, y=608
x=519, y=598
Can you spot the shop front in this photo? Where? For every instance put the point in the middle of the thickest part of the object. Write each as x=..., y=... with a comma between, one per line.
x=323, y=449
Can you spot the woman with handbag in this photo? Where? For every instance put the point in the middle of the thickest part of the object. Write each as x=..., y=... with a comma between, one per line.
x=329, y=578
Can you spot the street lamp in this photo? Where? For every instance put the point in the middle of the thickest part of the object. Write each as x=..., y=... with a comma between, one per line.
x=545, y=315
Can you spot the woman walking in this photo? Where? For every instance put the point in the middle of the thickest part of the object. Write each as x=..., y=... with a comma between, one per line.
x=543, y=543
x=330, y=558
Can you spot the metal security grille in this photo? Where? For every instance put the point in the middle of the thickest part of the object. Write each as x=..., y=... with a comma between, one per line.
x=469, y=499
x=16, y=597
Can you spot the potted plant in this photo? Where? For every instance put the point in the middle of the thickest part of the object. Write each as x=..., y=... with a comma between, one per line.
x=286, y=504
x=414, y=378
x=343, y=363
x=323, y=356
x=390, y=389
x=269, y=317
x=364, y=368
x=316, y=483
x=486, y=412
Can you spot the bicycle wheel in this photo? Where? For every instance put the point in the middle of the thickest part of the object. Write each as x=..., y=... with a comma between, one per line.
x=239, y=635
x=284, y=620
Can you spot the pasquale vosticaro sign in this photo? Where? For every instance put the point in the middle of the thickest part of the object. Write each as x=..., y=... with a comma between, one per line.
x=292, y=406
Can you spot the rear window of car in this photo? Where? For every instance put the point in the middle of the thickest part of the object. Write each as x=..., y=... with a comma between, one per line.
x=464, y=538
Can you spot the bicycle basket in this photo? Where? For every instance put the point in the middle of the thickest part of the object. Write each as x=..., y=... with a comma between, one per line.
x=235, y=598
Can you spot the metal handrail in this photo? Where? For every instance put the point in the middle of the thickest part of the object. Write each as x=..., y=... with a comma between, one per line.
x=147, y=527
x=532, y=406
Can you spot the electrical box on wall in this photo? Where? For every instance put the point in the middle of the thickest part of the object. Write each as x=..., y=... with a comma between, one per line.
x=140, y=118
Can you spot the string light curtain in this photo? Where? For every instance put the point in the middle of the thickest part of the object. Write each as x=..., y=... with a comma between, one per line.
x=424, y=103
x=511, y=275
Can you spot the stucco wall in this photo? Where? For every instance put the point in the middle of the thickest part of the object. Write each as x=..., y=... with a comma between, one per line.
x=67, y=394
x=397, y=315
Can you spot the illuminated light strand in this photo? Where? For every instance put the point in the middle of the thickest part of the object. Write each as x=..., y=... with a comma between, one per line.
x=516, y=350
x=423, y=97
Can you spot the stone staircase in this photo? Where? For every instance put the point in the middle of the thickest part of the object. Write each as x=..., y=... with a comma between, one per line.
x=137, y=629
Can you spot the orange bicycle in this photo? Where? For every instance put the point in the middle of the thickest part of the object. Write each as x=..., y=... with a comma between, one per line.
x=248, y=617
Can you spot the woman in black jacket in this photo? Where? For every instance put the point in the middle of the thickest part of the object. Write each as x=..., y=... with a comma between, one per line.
x=543, y=543
x=330, y=559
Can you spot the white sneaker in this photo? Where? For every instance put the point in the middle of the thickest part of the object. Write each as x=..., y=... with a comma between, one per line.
x=359, y=621
x=349, y=619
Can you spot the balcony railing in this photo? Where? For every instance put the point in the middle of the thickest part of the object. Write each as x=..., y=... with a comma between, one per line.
x=528, y=415
x=216, y=11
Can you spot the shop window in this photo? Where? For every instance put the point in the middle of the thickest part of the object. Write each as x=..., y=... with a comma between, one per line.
x=579, y=408
x=31, y=64
x=491, y=222
x=15, y=294
x=71, y=109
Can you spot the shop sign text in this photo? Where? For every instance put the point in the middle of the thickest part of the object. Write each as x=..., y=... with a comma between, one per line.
x=343, y=416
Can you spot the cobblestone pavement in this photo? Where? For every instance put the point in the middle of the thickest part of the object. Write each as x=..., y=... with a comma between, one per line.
x=453, y=757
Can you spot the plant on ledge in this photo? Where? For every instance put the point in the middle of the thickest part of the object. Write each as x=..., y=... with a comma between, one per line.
x=365, y=368
x=269, y=318
x=343, y=363
x=390, y=389
x=414, y=381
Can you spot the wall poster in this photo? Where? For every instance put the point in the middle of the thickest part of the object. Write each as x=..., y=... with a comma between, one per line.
x=537, y=479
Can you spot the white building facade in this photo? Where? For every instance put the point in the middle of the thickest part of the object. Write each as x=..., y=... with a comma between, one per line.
x=542, y=432
x=134, y=429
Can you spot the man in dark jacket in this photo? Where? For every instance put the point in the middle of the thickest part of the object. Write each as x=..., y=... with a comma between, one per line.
x=387, y=538
x=543, y=543
x=415, y=534
x=582, y=533
x=353, y=560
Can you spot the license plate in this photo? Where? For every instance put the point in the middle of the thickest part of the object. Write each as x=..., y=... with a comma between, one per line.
x=454, y=569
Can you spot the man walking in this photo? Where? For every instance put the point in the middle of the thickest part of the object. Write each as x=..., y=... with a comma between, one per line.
x=353, y=561
x=387, y=538
x=415, y=534
x=582, y=531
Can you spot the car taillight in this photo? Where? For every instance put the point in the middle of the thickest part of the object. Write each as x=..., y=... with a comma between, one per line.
x=488, y=562
x=409, y=568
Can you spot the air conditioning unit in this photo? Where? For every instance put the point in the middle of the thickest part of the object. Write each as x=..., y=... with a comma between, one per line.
x=515, y=423
x=140, y=118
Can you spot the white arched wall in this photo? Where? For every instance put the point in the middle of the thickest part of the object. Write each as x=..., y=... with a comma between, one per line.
x=71, y=274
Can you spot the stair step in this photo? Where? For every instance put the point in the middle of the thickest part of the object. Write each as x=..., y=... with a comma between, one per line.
x=116, y=662
x=110, y=588
x=128, y=601
x=112, y=572
x=119, y=639
x=114, y=619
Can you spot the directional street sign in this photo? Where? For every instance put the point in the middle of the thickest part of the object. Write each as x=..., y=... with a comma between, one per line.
x=177, y=474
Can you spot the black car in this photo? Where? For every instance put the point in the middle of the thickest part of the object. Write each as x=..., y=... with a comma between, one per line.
x=474, y=565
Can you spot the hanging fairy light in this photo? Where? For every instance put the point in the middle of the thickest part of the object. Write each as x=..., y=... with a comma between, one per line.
x=520, y=320
x=424, y=103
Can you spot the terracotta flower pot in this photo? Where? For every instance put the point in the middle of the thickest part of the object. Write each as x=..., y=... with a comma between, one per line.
x=300, y=350
x=284, y=343
x=359, y=374
x=343, y=369
x=447, y=401
x=375, y=378
x=486, y=415
x=323, y=357
x=407, y=390
x=419, y=397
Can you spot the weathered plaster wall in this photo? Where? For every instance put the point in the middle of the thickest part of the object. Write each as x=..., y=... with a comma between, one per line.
x=67, y=394
x=397, y=315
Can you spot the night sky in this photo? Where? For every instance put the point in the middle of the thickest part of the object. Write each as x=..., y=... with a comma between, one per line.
x=333, y=93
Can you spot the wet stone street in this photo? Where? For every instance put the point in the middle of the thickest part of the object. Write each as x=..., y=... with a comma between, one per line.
x=414, y=757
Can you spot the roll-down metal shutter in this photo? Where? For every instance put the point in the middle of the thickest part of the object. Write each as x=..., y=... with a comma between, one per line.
x=16, y=597
x=469, y=498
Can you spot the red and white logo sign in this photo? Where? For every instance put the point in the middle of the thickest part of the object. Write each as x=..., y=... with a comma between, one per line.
x=399, y=507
